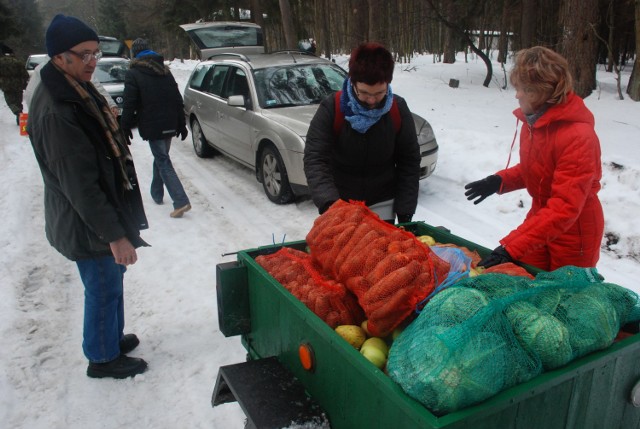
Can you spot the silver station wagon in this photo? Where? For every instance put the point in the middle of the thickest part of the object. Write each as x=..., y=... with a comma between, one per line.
x=256, y=109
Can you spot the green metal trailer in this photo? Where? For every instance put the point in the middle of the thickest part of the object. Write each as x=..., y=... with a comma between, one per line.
x=344, y=390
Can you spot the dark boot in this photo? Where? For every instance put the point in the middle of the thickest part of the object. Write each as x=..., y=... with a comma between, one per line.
x=128, y=343
x=121, y=367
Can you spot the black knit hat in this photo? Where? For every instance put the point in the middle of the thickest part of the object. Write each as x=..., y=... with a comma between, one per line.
x=65, y=32
x=138, y=46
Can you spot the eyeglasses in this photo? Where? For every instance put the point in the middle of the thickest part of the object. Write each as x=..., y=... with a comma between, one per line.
x=363, y=95
x=86, y=57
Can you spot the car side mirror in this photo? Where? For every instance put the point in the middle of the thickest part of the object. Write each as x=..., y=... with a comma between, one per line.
x=238, y=101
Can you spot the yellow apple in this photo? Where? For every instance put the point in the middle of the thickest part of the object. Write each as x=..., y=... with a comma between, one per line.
x=363, y=325
x=427, y=239
x=352, y=334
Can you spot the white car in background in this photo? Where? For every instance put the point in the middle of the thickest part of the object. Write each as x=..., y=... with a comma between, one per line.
x=110, y=71
x=34, y=61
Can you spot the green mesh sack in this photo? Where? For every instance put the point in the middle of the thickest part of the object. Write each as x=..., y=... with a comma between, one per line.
x=490, y=332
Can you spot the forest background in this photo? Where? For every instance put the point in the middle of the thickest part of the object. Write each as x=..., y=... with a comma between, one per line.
x=586, y=32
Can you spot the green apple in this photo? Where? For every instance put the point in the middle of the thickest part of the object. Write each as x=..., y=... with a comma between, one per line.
x=374, y=355
x=376, y=343
x=396, y=333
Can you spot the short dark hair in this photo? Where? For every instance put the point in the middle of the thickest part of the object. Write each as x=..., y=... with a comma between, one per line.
x=371, y=63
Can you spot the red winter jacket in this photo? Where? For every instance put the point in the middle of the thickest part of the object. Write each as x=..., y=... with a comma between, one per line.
x=560, y=168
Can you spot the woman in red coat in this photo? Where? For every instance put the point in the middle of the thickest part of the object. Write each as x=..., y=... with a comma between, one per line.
x=559, y=166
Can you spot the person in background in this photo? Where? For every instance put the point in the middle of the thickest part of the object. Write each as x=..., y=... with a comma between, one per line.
x=13, y=80
x=153, y=103
x=93, y=208
x=559, y=167
x=34, y=81
x=372, y=157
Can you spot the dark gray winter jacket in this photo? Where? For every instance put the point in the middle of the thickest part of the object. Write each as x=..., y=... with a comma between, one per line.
x=152, y=101
x=86, y=205
x=376, y=166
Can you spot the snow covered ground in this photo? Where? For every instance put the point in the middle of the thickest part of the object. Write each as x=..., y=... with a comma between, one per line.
x=170, y=292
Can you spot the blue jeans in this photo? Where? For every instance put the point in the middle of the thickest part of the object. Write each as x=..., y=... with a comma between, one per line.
x=103, y=308
x=165, y=175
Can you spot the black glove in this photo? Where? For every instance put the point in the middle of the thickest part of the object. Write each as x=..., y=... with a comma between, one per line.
x=404, y=218
x=483, y=188
x=497, y=257
x=127, y=132
x=325, y=207
x=182, y=133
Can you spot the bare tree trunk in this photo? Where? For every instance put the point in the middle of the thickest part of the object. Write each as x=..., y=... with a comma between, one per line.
x=359, y=19
x=373, y=13
x=613, y=62
x=287, y=24
x=503, y=41
x=633, y=89
x=450, y=35
x=611, y=26
x=483, y=57
x=528, y=25
x=323, y=38
x=579, y=44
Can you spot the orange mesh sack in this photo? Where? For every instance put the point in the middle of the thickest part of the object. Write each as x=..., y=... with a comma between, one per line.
x=387, y=268
x=328, y=299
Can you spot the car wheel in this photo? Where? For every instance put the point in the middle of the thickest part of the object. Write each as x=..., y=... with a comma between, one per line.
x=274, y=176
x=200, y=145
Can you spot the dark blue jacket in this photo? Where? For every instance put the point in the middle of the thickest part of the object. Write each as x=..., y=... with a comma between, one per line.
x=152, y=101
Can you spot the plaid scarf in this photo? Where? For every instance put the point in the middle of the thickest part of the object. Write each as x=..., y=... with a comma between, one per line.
x=116, y=140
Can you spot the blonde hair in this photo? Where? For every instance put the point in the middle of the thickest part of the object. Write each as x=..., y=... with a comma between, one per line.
x=543, y=72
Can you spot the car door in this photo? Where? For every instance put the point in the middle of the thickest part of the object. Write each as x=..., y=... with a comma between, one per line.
x=209, y=102
x=235, y=123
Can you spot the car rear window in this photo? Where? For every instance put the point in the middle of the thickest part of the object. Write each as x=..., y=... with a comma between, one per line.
x=226, y=36
x=198, y=76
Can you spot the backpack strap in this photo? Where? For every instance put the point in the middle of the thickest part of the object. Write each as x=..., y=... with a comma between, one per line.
x=338, y=117
x=395, y=116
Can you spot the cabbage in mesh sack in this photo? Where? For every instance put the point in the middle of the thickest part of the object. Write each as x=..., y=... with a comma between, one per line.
x=528, y=326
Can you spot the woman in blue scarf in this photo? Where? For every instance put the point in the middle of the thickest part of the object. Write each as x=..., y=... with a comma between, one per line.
x=362, y=144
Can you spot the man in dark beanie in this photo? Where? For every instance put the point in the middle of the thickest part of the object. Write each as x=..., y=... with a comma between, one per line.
x=153, y=103
x=93, y=207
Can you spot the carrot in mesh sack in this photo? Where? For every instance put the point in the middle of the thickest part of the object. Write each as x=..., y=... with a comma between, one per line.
x=387, y=286
x=363, y=232
x=295, y=270
x=387, y=250
x=508, y=268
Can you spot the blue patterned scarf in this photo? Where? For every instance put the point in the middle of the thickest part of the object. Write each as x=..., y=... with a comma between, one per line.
x=360, y=117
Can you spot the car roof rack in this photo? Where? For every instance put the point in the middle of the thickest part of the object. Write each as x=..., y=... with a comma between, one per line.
x=293, y=51
x=232, y=54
